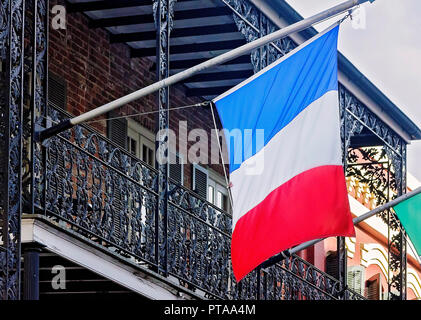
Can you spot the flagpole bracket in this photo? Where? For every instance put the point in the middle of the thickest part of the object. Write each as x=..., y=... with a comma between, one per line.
x=276, y=259
x=41, y=134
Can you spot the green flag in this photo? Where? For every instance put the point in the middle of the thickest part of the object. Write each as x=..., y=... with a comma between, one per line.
x=409, y=213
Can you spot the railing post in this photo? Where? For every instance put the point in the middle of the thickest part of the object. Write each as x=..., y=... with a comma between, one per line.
x=341, y=249
x=259, y=283
x=342, y=266
x=31, y=272
x=35, y=156
x=397, y=245
x=12, y=13
x=163, y=14
x=402, y=234
x=404, y=262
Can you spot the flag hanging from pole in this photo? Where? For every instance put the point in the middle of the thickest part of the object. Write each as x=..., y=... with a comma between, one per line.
x=409, y=214
x=282, y=130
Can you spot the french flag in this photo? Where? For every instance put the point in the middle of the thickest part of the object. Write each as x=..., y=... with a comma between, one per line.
x=288, y=184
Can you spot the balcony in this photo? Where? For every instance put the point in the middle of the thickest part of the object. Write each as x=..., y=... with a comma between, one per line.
x=106, y=196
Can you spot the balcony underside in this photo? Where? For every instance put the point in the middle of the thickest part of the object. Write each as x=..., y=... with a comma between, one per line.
x=91, y=271
x=202, y=29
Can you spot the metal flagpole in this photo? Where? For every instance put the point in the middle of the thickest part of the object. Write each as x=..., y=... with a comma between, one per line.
x=277, y=35
x=356, y=221
x=222, y=155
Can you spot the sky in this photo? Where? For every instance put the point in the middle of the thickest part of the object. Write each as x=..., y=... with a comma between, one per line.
x=387, y=51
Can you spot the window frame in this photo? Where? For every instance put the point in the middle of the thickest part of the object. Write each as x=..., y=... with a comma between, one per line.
x=143, y=137
x=361, y=270
x=218, y=182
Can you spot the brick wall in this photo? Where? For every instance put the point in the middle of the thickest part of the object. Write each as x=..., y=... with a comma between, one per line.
x=97, y=72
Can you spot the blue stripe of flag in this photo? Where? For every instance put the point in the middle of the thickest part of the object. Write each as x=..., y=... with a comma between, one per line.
x=278, y=95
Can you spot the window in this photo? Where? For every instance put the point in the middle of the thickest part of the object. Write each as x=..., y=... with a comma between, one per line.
x=117, y=130
x=140, y=142
x=200, y=181
x=332, y=264
x=148, y=153
x=355, y=279
x=211, y=186
x=57, y=91
x=217, y=194
x=176, y=168
x=130, y=135
x=373, y=289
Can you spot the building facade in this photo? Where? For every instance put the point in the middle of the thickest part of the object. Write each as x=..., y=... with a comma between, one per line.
x=91, y=211
x=368, y=273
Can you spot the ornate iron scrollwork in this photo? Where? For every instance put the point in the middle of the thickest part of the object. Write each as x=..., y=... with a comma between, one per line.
x=39, y=104
x=101, y=191
x=164, y=20
x=199, y=238
x=11, y=105
x=292, y=279
x=36, y=102
x=383, y=170
x=253, y=24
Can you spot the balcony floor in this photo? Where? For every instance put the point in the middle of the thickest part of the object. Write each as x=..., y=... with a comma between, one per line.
x=90, y=270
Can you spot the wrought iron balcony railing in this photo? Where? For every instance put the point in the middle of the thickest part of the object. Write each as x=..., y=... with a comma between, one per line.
x=110, y=197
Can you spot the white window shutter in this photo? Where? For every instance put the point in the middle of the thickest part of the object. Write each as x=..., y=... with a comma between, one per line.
x=355, y=279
